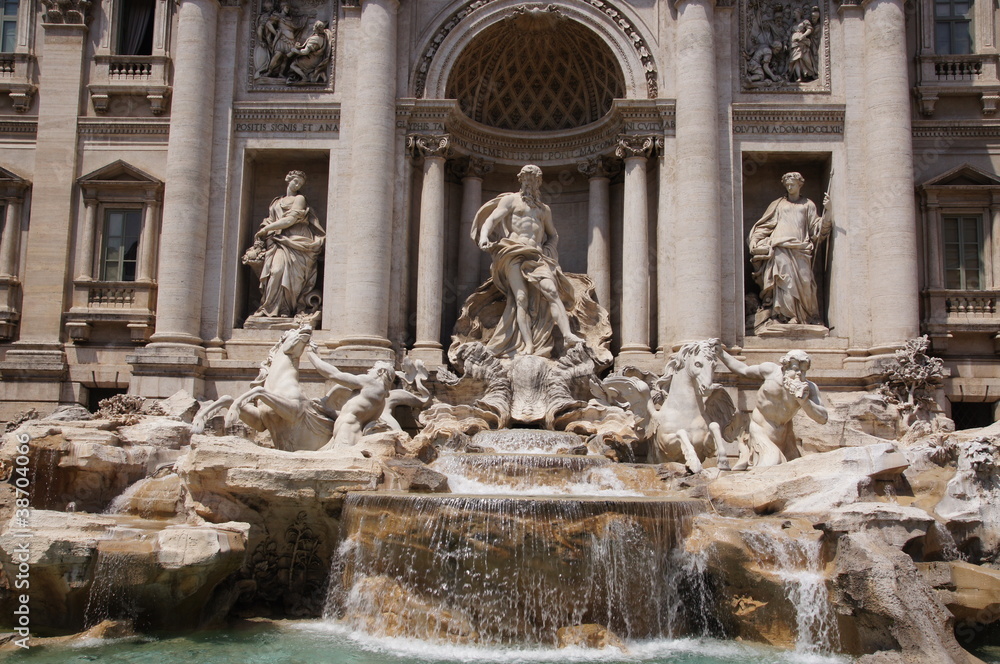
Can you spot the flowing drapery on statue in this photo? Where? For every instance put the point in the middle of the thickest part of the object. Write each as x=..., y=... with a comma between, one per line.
x=782, y=246
x=286, y=250
x=529, y=306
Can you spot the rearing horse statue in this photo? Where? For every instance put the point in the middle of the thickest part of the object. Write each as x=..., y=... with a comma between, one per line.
x=275, y=401
x=685, y=427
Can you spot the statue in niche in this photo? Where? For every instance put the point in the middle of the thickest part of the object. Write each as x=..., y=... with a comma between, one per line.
x=783, y=247
x=311, y=58
x=517, y=230
x=770, y=439
x=781, y=43
x=285, y=253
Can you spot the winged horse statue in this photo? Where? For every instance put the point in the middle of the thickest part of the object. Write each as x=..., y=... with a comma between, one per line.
x=682, y=411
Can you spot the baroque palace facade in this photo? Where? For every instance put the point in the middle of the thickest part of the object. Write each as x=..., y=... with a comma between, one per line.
x=142, y=143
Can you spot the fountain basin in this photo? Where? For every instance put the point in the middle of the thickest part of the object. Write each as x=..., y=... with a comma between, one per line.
x=507, y=569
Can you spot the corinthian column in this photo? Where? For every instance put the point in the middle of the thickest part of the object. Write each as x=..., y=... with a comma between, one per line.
x=599, y=171
x=891, y=215
x=696, y=303
x=372, y=155
x=471, y=170
x=635, y=150
x=189, y=157
x=430, y=261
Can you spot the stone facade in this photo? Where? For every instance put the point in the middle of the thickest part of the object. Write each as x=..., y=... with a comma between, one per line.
x=662, y=129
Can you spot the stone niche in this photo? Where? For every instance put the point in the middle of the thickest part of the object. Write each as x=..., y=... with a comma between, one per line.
x=566, y=190
x=264, y=179
x=762, y=185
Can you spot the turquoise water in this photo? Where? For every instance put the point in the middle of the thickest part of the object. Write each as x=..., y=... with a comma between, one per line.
x=315, y=642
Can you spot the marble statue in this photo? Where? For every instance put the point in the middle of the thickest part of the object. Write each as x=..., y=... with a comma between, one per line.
x=276, y=31
x=770, y=440
x=275, y=401
x=311, y=58
x=517, y=230
x=369, y=394
x=783, y=249
x=681, y=412
x=780, y=41
x=759, y=64
x=285, y=252
x=802, y=60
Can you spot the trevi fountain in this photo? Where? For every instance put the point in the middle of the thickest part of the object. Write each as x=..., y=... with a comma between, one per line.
x=530, y=501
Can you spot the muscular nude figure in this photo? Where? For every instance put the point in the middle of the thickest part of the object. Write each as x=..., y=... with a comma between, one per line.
x=365, y=405
x=784, y=392
x=525, y=264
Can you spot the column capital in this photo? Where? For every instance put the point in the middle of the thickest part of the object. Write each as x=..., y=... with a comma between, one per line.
x=631, y=146
x=471, y=167
x=429, y=145
x=66, y=12
x=600, y=166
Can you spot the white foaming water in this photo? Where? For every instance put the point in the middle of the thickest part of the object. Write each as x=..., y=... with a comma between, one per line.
x=651, y=651
x=799, y=565
x=492, y=475
x=123, y=501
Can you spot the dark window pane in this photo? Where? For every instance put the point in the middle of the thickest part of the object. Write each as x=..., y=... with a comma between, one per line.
x=128, y=271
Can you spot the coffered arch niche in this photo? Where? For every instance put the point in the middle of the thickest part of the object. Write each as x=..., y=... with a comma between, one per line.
x=621, y=33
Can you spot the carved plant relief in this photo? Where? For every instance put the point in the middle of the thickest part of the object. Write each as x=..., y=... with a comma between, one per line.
x=293, y=44
x=784, y=46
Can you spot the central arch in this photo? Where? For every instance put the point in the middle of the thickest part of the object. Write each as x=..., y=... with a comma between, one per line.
x=536, y=71
x=620, y=35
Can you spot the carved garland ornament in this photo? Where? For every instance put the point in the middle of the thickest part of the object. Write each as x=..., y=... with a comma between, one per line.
x=638, y=43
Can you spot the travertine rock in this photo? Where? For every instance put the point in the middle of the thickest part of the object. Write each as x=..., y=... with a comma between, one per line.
x=885, y=604
x=164, y=570
x=589, y=636
x=747, y=560
x=382, y=606
x=895, y=525
x=158, y=432
x=413, y=475
x=289, y=499
x=180, y=405
x=972, y=500
x=812, y=484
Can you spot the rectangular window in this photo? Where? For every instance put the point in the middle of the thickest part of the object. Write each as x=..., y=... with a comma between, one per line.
x=120, y=246
x=8, y=25
x=135, y=27
x=963, y=252
x=953, y=27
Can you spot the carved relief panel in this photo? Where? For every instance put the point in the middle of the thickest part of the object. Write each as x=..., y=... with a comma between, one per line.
x=293, y=45
x=784, y=46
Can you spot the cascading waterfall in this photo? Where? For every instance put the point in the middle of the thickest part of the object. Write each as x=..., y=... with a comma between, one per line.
x=118, y=571
x=506, y=570
x=534, y=474
x=798, y=563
